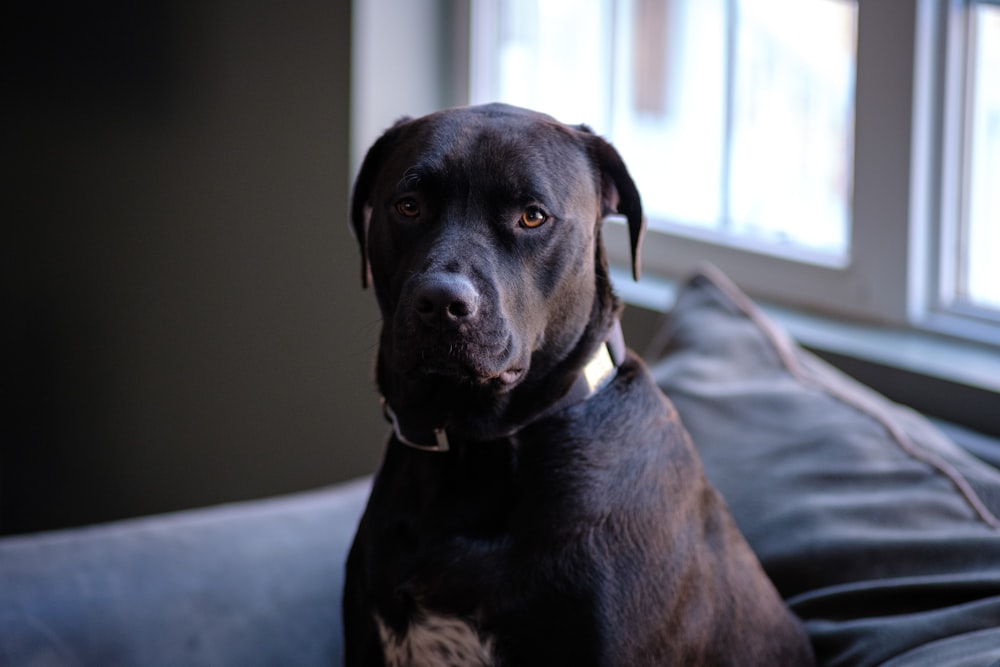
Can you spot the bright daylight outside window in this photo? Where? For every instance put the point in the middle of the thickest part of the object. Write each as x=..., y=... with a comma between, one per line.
x=737, y=120
x=735, y=116
x=978, y=280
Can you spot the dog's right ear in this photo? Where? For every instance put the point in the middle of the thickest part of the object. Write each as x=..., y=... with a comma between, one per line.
x=361, y=204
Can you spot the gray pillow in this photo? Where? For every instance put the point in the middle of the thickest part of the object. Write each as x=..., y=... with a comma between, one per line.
x=881, y=534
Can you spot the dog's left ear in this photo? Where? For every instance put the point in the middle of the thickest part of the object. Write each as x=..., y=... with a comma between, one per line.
x=361, y=206
x=618, y=191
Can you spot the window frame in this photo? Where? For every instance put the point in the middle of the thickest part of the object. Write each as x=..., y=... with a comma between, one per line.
x=944, y=99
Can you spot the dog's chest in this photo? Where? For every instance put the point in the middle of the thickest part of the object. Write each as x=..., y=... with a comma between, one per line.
x=435, y=641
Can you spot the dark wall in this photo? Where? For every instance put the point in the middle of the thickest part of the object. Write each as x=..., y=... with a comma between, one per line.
x=182, y=321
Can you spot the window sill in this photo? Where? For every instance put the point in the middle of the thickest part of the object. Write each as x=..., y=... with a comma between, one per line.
x=946, y=378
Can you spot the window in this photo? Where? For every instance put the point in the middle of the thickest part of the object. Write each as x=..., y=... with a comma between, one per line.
x=965, y=288
x=979, y=282
x=734, y=114
x=827, y=153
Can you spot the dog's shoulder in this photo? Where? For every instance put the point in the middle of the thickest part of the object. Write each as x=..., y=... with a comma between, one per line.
x=631, y=416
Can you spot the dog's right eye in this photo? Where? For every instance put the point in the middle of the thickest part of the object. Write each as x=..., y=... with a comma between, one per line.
x=533, y=217
x=408, y=207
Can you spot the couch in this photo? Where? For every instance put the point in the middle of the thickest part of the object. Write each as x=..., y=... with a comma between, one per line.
x=877, y=526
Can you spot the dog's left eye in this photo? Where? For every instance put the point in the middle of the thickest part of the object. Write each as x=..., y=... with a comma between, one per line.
x=408, y=207
x=533, y=217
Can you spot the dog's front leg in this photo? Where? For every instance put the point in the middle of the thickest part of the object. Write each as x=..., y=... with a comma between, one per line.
x=362, y=645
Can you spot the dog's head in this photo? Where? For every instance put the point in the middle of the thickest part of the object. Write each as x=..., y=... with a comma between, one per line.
x=479, y=229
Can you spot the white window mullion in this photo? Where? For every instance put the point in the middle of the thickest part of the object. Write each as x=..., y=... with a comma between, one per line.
x=930, y=162
x=882, y=164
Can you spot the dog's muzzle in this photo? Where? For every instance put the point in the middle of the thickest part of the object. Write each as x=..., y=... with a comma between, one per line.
x=444, y=326
x=598, y=372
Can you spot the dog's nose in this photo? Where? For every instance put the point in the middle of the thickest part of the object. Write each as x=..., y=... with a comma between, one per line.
x=446, y=298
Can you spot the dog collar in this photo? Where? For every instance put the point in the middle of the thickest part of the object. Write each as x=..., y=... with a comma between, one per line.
x=599, y=370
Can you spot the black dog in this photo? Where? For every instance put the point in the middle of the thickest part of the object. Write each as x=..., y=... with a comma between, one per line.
x=539, y=502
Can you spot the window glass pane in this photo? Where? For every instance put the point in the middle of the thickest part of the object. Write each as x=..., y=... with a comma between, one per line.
x=980, y=267
x=550, y=55
x=790, y=170
x=669, y=105
x=734, y=116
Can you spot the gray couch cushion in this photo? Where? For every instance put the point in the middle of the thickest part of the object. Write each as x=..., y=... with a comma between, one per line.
x=255, y=583
x=882, y=533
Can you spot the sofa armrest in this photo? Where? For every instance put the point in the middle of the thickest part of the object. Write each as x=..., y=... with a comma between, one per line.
x=249, y=583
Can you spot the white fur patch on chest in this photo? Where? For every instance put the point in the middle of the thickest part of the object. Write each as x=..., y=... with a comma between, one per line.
x=435, y=641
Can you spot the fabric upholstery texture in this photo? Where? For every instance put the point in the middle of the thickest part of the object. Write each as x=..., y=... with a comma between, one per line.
x=879, y=531
x=254, y=583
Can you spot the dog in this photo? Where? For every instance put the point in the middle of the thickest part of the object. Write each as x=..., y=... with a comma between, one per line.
x=539, y=501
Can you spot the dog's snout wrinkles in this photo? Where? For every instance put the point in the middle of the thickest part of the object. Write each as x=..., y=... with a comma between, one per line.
x=446, y=298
